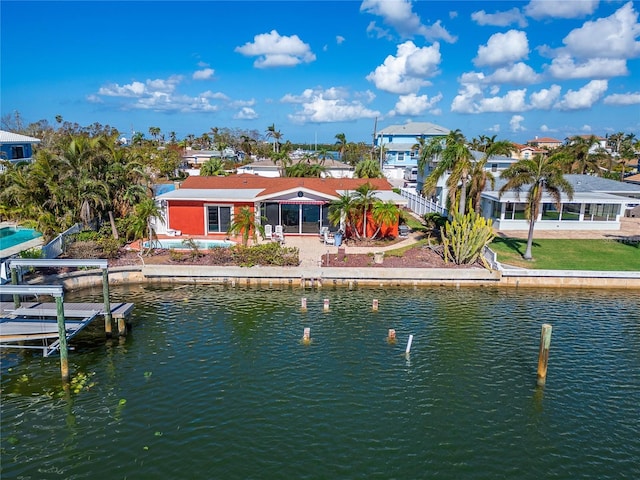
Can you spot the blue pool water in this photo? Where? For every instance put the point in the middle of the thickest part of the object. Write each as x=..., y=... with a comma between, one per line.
x=13, y=236
x=201, y=244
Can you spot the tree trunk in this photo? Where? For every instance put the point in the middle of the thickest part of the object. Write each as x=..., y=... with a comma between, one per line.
x=527, y=253
x=463, y=198
x=114, y=230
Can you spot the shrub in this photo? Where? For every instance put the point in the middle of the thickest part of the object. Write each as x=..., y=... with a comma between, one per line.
x=465, y=237
x=266, y=254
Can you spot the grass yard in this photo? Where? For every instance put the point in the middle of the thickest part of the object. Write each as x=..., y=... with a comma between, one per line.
x=556, y=254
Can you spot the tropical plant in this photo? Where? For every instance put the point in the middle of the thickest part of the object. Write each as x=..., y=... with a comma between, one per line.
x=455, y=158
x=244, y=224
x=465, y=237
x=586, y=154
x=479, y=175
x=384, y=214
x=365, y=197
x=539, y=174
x=345, y=211
x=212, y=168
x=141, y=221
x=368, y=168
x=341, y=144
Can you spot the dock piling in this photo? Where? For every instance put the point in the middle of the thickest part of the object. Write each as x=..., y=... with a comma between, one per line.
x=543, y=355
x=408, y=350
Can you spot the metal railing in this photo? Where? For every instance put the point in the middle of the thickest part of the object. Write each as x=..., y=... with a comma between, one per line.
x=421, y=205
x=55, y=247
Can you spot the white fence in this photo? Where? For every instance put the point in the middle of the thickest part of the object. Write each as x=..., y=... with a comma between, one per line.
x=55, y=247
x=420, y=205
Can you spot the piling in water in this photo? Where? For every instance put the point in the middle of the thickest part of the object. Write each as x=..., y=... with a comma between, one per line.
x=408, y=350
x=543, y=356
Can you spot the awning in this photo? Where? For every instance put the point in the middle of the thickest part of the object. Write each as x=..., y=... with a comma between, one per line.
x=302, y=202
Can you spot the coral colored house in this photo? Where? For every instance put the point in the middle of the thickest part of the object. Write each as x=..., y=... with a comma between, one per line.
x=205, y=206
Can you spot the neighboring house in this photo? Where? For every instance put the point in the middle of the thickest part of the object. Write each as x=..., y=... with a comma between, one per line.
x=397, y=143
x=266, y=167
x=16, y=148
x=205, y=206
x=547, y=143
x=526, y=152
x=495, y=164
x=635, y=179
x=598, y=204
x=599, y=145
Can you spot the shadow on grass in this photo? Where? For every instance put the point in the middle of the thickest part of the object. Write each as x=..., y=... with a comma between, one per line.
x=518, y=245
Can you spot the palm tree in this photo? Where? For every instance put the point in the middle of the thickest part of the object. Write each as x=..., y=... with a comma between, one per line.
x=365, y=197
x=154, y=132
x=455, y=158
x=586, y=155
x=142, y=219
x=368, y=168
x=276, y=135
x=341, y=144
x=344, y=210
x=384, y=213
x=429, y=153
x=540, y=174
x=213, y=167
x=244, y=224
x=479, y=174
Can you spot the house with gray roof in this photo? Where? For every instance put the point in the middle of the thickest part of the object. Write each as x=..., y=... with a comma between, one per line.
x=397, y=142
x=597, y=204
x=16, y=148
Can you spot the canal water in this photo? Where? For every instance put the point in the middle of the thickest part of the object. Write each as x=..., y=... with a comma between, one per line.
x=214, y=382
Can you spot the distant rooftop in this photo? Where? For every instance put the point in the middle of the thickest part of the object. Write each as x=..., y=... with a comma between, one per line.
x=415, y=128
x=10, y=137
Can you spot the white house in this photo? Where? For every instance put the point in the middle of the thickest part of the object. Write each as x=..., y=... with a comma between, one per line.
x=265, y=167
x=597, y=204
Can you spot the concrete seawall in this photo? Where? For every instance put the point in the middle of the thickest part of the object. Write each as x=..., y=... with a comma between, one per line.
x=347, y=277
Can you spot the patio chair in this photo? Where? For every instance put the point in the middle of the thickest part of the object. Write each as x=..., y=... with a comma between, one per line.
x=279, y=233
x=329, y=240
x=268, y=232
x=323, y=230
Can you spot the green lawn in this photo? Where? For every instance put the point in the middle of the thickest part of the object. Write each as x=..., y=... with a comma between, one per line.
x=569, y=254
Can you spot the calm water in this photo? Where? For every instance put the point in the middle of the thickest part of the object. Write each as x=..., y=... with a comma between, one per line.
x=214, y=383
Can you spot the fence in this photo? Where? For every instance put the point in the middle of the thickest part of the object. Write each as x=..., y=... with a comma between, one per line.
x=420, y=205
x=55, y=247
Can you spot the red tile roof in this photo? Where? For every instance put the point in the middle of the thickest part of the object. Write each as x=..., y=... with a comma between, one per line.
x=273, y=185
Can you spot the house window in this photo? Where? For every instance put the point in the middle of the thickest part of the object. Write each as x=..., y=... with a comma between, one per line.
x=515, y=211
x=550, y=212
x=17, y=152
x=400, y=156
x=219, y=218
x=494, y=167
x=601, y=212
x=570, y=212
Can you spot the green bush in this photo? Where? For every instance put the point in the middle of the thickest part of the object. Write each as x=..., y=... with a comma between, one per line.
x=465, y=237
x=266, y=254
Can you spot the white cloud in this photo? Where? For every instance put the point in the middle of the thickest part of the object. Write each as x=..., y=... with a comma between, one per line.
x=377, y=32
x=204, y=74
x=340, y=39
x=583, y=98
x=517, y=74
x=512, y=101
x=413, y=104
x=246, y=113
x=539, y=9
x=500, y=19
x=502, y=49
x=609, y=37
x=274, y=50
x=138, y=89
x=515, y=123
x=631, y=98
x=546, y=98
x=564, y=67
x=399, y=15
x=406, y=72
x=329, y=105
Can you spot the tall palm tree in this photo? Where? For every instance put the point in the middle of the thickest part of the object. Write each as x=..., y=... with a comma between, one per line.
x=455, y=158
x=479, y=174
x=365, y=197
x=213, y=167
x=539, y=174
x=276, y=135
x=586, y=154
x=244, y=224
x=429, y=152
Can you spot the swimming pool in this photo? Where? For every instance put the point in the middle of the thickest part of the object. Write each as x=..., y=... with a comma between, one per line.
x=13, y=236
x=179, y=245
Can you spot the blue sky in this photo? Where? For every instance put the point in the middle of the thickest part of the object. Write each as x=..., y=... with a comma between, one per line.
x=317, y=68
